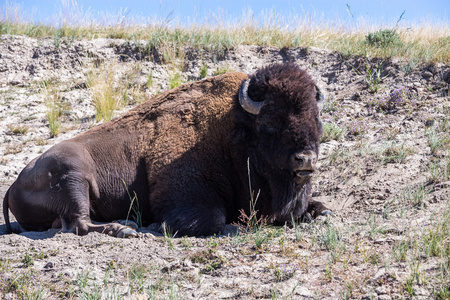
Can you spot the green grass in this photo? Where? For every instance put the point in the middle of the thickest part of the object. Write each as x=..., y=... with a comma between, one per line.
x=414, y=195
x=331, y=238
x=149, y=82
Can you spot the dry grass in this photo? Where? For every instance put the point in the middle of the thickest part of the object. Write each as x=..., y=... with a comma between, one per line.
x=112, y=88
x=52, y=98
x=106, y=96
x=426, y=42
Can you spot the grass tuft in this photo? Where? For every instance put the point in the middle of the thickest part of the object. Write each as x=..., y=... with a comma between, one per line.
x=18, y=129
x=175, y=80
x=105, y=95
x=394, y=153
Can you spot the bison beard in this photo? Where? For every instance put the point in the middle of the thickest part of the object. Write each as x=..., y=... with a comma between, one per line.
x=184, y=155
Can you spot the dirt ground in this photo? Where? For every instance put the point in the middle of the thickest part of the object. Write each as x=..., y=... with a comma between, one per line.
x=384, y=171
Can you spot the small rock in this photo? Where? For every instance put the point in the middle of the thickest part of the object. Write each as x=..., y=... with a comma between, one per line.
x=68, y=273
x=49, y=265
x=427, y=74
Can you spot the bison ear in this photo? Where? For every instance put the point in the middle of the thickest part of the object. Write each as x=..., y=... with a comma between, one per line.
x=320, y=98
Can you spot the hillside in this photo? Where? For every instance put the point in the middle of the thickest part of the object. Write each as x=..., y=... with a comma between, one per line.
x=384, y=170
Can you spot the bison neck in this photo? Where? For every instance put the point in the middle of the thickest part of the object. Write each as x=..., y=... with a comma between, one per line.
x=276, y=196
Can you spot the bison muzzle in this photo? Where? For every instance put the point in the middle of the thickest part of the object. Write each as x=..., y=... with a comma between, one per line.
x=184, y=158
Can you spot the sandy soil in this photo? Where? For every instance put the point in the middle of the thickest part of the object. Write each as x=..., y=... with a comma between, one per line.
x=379, y=178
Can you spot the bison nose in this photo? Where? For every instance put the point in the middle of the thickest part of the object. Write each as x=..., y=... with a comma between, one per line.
x=303, y=163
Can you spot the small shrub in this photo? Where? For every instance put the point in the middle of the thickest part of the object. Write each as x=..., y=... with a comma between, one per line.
x=53, y=100
x=357, y=127
x=210, y=259
x=338, y=156
x=400, y=249
x=185, y=243
x=285, y=271
x=252, y=221
x=57, y=37
x=333, y=111
x=395, y=153
x=4, y=161
x=390, y=132
x=331, y=238
x=383, y=38
x=175, y=80
x=203, y=71
x=27, y=260
x=168, y=235
x=331, y=131
x=136, y=277
x=373, y=77
x=331, y=106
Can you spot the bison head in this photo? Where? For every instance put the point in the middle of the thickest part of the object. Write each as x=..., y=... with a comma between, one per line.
x=279, y=124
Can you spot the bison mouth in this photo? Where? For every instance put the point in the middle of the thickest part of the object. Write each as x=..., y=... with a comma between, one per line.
x=300, y=176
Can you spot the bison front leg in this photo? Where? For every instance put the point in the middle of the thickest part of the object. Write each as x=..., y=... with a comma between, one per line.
x=195, y=220
x=112, y=229
x=315, y=209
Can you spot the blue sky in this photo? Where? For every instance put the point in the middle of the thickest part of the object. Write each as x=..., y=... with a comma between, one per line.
x=185, y=11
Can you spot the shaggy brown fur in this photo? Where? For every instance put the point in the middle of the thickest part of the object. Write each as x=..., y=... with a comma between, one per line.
x=184, y=155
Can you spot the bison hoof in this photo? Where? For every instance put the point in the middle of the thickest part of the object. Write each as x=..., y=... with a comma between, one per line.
x=326, y=213
x=307, y=218
x=127, y=233
x=128, y=223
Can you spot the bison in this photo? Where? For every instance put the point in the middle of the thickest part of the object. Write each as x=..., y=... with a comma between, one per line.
x=187, y=158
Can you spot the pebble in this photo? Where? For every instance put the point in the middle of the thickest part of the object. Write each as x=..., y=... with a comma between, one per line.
x=427, y=74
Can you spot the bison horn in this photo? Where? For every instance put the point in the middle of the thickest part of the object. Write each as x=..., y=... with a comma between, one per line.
x=250, y=106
